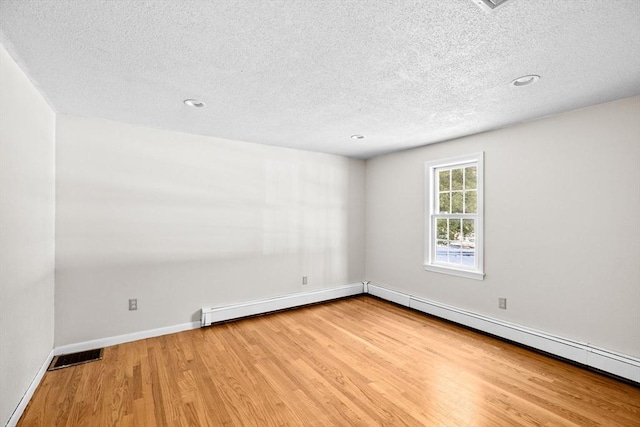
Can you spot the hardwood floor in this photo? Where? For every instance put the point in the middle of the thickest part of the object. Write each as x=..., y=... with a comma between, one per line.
x=358, y=361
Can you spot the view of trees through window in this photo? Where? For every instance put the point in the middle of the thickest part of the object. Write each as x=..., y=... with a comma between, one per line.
x=455, y=230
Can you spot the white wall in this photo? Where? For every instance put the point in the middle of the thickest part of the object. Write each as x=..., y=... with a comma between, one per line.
x=181, y=221
x=27, y=148
x=562, y=225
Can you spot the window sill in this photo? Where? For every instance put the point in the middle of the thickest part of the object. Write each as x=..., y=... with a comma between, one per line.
x=455, y=272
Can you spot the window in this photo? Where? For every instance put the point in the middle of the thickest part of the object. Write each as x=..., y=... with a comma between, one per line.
x=454, y=225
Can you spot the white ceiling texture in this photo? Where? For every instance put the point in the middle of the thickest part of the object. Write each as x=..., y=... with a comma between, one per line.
x=310, y=74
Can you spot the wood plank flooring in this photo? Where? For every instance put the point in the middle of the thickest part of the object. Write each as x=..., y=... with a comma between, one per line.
x=352, y=362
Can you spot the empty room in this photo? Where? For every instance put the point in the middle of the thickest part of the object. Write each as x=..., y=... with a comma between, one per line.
x=319, y=213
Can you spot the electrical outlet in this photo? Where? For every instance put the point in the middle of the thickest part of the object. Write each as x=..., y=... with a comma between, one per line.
x=133, y=304
x=502, y=303
x=304, y=280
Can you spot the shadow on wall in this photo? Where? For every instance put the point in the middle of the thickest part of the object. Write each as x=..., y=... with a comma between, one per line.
x=132, y=196
x=135, y=208
x=182, y=221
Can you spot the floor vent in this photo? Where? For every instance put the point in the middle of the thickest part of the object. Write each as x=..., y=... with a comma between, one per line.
x=73, y=359
x=489, y=5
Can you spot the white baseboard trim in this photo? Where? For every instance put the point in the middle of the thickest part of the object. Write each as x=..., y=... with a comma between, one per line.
x=120, y=339
x=389, y=295
x=219, y=314
x=26, y=398
x=605, y=360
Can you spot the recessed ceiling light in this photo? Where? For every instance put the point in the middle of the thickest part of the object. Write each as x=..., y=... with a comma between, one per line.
x=489, y=5
x=357, y=136
x=194, y=103
x=525, y=80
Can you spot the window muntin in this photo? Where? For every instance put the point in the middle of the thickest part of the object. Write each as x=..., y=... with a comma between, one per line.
x=454, y=216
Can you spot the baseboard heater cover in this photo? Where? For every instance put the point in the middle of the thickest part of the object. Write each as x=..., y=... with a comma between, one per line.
x=620, y=365
x=210, y=315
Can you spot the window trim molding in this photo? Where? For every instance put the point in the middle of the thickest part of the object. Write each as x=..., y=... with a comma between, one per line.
x=429, y=229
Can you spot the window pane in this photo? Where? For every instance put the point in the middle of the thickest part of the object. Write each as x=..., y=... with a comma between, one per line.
x=456, y=179
x=445, y=199
x=471, y=180
x=455, y=256
x=457, y=201
x=468, y=229
x=469, y=257
x=471, y=201
x=454, y=230
x=442, y=228
x=444, y=180
x=468, y=242
x=442, y=250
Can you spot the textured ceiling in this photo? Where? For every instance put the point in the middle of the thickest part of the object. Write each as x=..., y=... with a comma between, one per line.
x=309, y=74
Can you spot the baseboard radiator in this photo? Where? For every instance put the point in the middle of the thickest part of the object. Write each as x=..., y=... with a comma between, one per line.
x=620, y=365
x=212, y=315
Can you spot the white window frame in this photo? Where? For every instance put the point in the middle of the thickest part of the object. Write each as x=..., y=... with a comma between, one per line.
x=431, y=209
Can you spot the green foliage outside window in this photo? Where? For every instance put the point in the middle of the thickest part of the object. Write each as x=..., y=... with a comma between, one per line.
x=458, y=190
